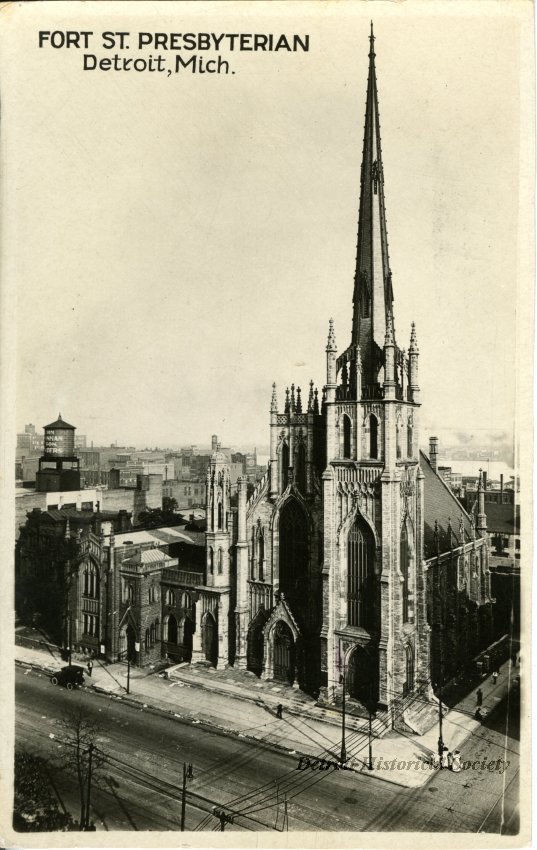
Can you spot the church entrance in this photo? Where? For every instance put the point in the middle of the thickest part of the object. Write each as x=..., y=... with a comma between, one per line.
x=284, y=662
x=209, y=639
x=255, y=649
x=362, y=676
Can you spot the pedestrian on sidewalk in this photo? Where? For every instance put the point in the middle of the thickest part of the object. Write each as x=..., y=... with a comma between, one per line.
x=190, y=772
x=279, y=710
x=444, y=762
x=90, y=667
x=456, y=765
x=435, y=761
x=450, y=760
x=479, y=695
x=478, y=715
x=494, y=677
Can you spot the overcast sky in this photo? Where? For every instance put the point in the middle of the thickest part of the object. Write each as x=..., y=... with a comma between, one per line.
x=178, y=243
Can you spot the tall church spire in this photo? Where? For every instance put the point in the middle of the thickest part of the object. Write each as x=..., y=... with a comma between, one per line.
x=373, y=295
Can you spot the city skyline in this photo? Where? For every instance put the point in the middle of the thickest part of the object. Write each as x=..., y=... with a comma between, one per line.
x=180, y=289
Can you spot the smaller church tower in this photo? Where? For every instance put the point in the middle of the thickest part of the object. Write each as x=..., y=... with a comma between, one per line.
x=211, y=637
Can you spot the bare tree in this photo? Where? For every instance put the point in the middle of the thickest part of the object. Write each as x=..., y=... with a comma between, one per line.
x=82, y=755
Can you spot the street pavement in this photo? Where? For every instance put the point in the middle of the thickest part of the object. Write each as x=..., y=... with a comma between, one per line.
x=248, y=711
x=139, y=787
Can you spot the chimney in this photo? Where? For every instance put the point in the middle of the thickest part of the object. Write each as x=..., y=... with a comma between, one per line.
x=433, y=451
x=484, y=480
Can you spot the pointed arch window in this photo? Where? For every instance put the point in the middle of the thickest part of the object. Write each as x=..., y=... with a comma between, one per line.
x=211, y=560
x=220, y=517
x=346, y=437
x=220, y=562
x=405, y=571
x=360, y=576
x=373, y=437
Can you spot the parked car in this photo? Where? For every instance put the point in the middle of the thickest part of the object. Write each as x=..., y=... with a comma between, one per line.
x=71, y=677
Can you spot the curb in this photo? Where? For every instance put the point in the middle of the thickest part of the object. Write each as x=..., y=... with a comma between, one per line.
x=133, y=702
x=331, y=720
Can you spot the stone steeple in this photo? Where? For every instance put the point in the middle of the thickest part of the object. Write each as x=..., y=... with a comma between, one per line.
x=373, y=297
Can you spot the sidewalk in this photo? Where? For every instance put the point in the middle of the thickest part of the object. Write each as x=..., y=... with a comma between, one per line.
x=242, y=705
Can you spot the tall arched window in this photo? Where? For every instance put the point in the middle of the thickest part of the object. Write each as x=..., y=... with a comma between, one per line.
x=211, y=560
x=293, y=556
x=360, y=576
x=220, y=562
x=346, y=441
x=147, y=639
x=285, y=466
x=373, y=437
x=404, y=564
x=300, y=468
x=220, y=517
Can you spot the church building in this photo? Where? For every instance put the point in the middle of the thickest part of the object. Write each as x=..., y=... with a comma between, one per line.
x=352, y=560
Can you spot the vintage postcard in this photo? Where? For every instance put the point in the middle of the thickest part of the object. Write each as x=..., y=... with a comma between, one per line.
x=267, y=306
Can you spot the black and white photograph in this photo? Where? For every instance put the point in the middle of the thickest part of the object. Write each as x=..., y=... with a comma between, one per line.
x=267, y=346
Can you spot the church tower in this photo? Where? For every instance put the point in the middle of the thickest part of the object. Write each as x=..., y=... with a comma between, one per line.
x=374, y=634
x=211, y=636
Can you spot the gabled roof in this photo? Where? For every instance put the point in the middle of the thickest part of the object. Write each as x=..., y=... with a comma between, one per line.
x=441, y=505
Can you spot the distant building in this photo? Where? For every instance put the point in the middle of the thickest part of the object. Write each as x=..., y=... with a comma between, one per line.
x=29, y=442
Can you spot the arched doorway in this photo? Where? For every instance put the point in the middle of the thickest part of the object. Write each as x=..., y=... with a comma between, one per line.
x=362, y=676
x=209, y=638
x=294, y=557
x=171, y=629
x=255, y=643
x=188, y=631
x=284, y=653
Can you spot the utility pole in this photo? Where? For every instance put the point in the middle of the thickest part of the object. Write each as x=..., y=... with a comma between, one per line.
x=183, y=799
x=87, y=817
x=440, y=660
x=343, y=757
x=70, y=624
x=370, y=739
x=285, y=816
x=223, y=818
x=128, y=672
